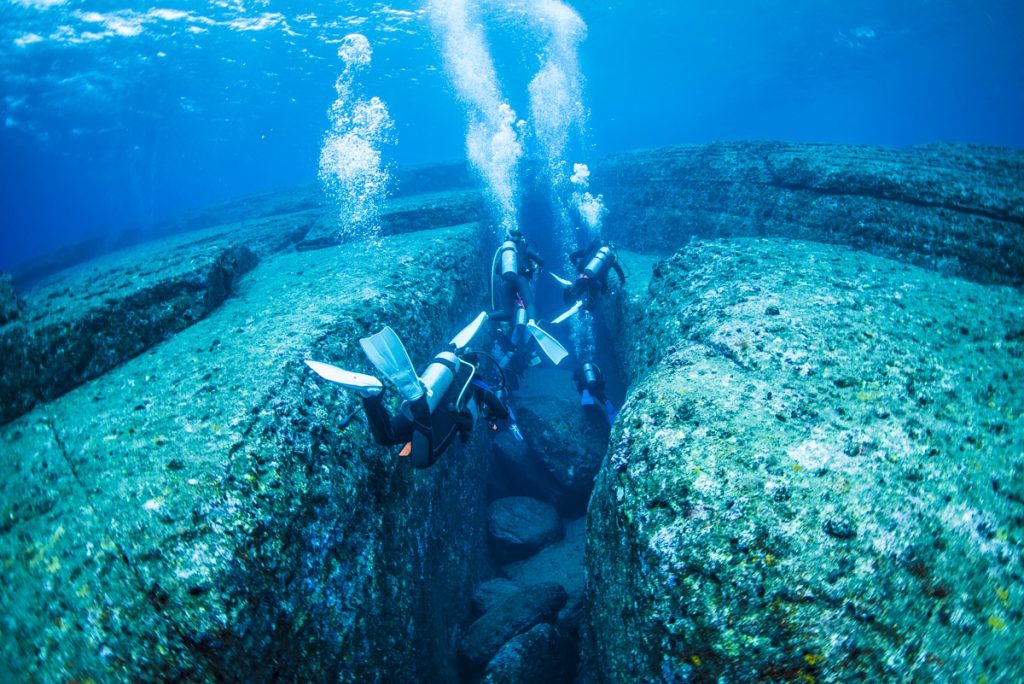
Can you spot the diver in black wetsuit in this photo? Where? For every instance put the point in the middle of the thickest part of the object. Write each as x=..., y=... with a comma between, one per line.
x=426, y=435
x=593, y=265
x=515, y=263
x=590, y=384
x=446, y=400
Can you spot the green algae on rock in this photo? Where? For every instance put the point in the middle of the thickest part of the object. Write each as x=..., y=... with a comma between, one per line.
x=199, y=512
x=817, y=473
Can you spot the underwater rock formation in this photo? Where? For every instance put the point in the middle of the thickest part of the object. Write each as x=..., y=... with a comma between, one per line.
x=200, y=511
x=521, y=526
x=817, y=473
x=958, y=209
x=538, y=656
x=519, y=613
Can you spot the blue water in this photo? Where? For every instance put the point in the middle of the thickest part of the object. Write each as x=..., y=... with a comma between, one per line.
x=116, y=116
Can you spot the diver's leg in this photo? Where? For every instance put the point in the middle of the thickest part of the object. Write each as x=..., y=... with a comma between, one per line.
x=385, y=428
x=507, y=301
x=522, y=285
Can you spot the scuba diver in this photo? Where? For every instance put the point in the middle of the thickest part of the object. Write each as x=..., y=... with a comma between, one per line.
x=590, y=384
x=444, y=402
x=593, y=265
x=513, y=265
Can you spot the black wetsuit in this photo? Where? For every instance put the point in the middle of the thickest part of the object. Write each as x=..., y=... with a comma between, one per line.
x=528, y=260
x=430, y=434
x=588, y=287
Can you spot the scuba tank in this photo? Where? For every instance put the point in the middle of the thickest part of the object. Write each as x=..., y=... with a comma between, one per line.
x=509, y=260
x=591, y=375
x=438, y=376
x=599, y=263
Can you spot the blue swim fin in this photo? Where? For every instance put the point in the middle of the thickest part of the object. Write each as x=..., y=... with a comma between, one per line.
x=610, y=411
x=586, y=399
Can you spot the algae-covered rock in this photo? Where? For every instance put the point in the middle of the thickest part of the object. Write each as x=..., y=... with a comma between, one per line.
x=515, y=615
x=958, y=209
x=520, y=526
x=539, y=656
x=200, y=513
x=817, y=474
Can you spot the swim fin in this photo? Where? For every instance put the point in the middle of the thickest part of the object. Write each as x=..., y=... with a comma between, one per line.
x=388, y=354
x=570, y=313
x=466, y=334
x=586, y=399
x=610, y=411
x=562, y=281
x=363, y=385
x=548, y=344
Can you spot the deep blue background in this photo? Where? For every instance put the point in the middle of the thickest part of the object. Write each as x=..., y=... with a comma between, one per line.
x=107, y=132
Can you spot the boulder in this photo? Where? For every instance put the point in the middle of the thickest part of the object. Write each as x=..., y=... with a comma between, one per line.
x=521, y=526
x=817, y=474
x=516, y=471
x=492, y=592
x=515, y=615
x=562, y=437
x=561, y=562
x=541, y=655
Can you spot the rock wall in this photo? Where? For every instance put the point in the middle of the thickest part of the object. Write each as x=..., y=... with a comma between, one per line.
x=817, y=475
x=201, y=513
x=958, y=209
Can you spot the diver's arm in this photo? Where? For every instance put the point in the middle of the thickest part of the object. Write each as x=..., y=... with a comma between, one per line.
x=533, y=256
x=491, y=400
x=618, y=270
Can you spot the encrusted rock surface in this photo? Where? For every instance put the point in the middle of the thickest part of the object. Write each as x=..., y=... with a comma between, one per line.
x=532, y=605
x=817, y=475
x=199, y=513
x=955, y=208
x=492, y=592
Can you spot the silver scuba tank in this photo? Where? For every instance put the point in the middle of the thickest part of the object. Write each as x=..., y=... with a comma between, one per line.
x=509, y=260
x=598, y=263
x=520, y=316
x=591, y=374
x=438, y=376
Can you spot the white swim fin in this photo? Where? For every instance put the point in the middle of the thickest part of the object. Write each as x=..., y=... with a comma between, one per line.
x=548, y=344
x=387, y=353
x=466, y=334
x=569, y=313
x=363, y=385
x=562, y=281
